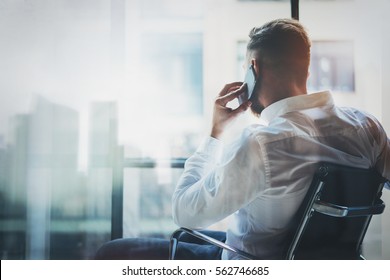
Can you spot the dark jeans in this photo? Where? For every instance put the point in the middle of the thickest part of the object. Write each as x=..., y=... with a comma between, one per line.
x=190, y=248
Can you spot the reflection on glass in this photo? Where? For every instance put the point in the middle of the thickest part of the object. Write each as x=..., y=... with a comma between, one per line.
x=60, y=157
x=172, y=73
x=147, y=207
x=332, y=66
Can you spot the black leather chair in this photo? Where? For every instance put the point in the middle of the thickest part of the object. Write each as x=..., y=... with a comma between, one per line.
x=332, y=220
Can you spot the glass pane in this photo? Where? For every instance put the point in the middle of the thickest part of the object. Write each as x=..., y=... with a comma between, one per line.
x=88, y=85
x=147, y=207
x=69, y=106
x=332, y=66
x=174, y=69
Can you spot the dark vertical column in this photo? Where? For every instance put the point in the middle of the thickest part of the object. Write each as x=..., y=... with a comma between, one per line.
x=295, y=9
x=118, y=42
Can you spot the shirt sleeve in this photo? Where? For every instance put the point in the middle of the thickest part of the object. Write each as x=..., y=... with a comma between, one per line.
x=213, y=186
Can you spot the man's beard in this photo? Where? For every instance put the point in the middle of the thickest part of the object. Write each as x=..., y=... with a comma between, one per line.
x=256, y=107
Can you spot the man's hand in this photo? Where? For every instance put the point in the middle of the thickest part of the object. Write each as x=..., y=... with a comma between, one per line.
x=223, y=115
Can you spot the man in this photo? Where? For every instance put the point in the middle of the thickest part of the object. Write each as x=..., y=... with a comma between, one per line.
x=263, y=177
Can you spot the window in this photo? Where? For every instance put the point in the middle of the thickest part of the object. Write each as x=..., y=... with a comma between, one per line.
x=332, y=66
x=102, y=100
x=120, y=81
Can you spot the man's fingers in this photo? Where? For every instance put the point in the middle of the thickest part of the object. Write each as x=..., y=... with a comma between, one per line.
x=223, y=115
x=229, y=87
x=232, y=94
x=242, y=108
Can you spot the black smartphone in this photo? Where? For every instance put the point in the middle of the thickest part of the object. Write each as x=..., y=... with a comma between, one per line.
x=250, y=80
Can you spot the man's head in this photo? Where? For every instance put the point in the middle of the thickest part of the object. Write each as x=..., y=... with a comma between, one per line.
x=280, y=52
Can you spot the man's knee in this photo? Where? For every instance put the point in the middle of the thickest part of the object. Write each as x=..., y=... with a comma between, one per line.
x=107, y=251
x=134, y=249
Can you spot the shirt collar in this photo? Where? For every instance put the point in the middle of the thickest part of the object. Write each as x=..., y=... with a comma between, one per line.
x=296, y=103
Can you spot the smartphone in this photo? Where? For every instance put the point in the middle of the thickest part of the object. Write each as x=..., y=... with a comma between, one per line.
x=250, y=80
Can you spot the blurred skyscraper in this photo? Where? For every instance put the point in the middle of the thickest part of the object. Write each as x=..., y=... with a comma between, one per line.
x=52, y=179
x=42, y=184
x=103, y=142
x=13, y=192
x=3, y=171
x=17, y=165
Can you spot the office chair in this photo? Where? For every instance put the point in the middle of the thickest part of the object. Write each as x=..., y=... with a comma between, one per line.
x=332, y=220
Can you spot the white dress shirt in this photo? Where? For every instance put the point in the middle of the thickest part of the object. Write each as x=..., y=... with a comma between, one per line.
x=262, y=178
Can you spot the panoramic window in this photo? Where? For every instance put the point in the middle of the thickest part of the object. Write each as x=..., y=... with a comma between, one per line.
x=117, y=109
x=103, y=101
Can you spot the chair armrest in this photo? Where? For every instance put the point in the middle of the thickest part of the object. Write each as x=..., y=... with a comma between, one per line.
x=343, y=211
x=174, y=240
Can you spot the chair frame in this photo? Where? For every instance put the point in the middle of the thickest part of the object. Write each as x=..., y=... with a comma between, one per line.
x=175, y=237
x=314, y=204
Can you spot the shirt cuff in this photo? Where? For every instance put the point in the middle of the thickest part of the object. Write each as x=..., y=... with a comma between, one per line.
x=212, y=147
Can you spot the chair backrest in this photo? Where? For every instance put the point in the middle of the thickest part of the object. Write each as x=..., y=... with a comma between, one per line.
x=335, y=214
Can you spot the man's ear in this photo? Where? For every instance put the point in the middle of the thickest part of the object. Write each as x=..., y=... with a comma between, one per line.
x=256, y=66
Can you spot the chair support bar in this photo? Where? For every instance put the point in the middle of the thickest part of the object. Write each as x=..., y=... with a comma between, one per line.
x=343, y=211
x=176, y=234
